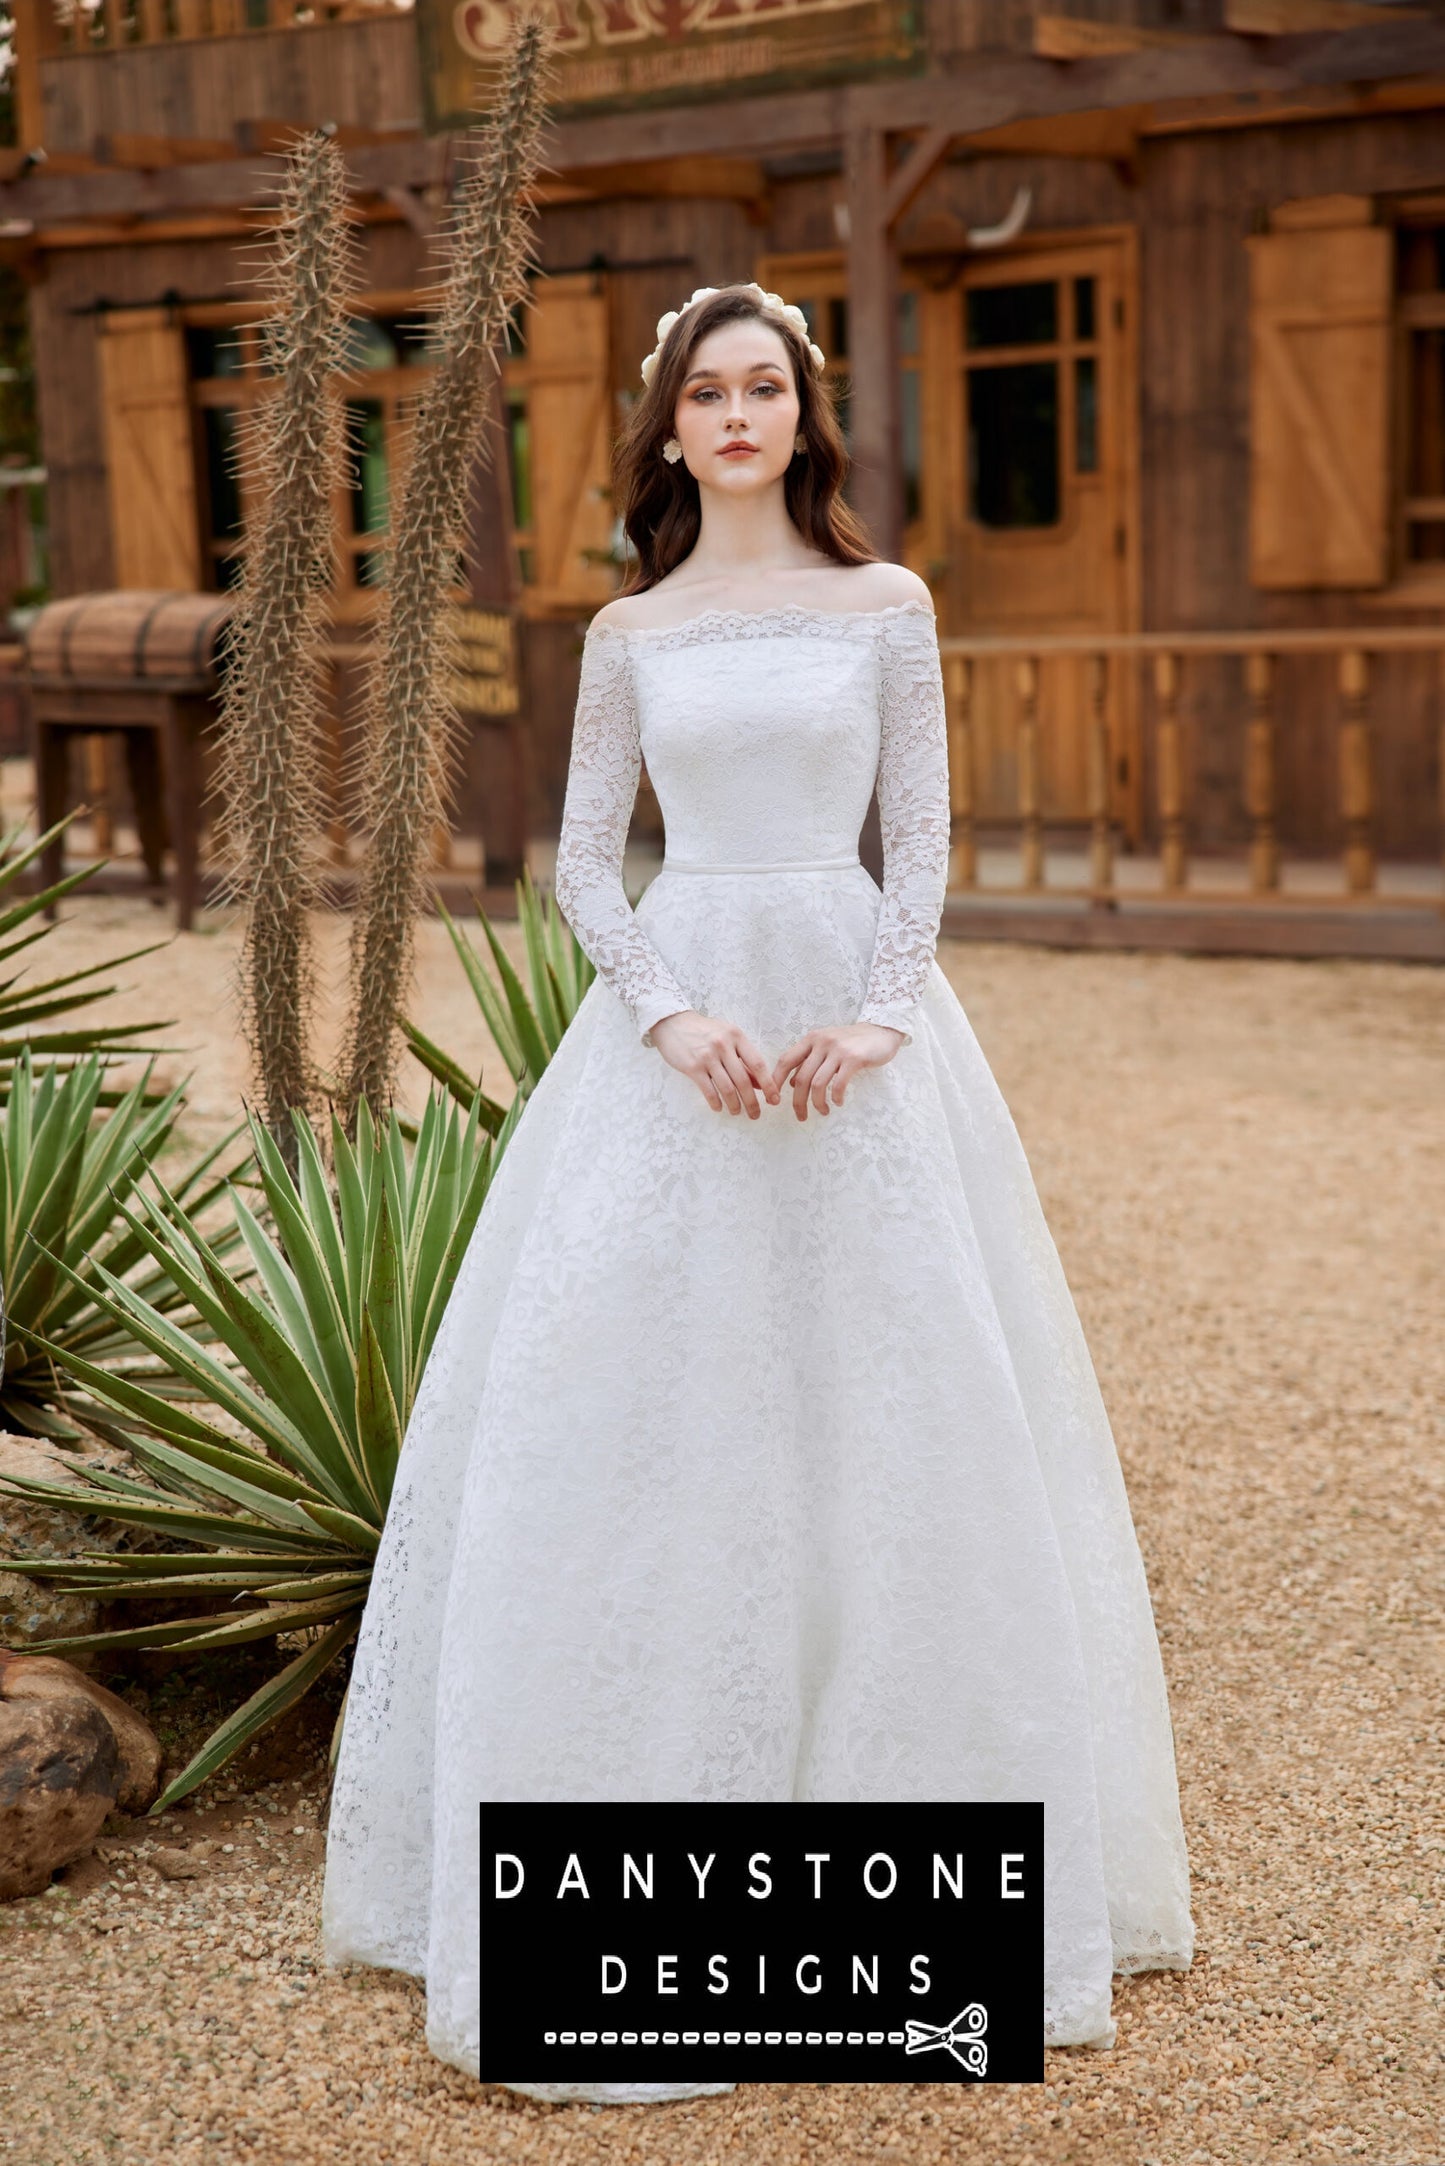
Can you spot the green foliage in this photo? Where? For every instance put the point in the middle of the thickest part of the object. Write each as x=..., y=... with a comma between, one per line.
x=64, y=1176
x=28, y=1011
x=281, y=1489
x=408, y=751
x=526, y=1029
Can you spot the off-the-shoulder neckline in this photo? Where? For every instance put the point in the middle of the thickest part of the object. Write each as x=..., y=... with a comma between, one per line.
x=783, y=610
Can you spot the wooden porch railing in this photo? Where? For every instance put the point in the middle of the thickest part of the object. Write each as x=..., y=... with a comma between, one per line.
x=1168, y=656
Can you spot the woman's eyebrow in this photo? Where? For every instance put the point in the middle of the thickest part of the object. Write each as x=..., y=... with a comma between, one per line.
x=752, y=370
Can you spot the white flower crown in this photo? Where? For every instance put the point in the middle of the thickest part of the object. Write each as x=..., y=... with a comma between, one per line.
x=790, y=313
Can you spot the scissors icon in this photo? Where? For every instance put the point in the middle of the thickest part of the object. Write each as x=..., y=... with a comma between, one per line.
x=963, y=2038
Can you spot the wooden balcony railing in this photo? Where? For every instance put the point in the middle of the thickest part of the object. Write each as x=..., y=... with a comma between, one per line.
x=1164, y=660
x=105, y=25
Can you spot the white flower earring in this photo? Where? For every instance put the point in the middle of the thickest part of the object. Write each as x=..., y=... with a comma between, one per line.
x=672, y=451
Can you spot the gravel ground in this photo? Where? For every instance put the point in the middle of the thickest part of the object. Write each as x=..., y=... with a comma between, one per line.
x=1242, y=1163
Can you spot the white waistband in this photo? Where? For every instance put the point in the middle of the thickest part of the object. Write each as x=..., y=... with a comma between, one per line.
x=777, y=864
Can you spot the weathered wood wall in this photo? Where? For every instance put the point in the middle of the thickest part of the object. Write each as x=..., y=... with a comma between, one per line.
x=361, y=75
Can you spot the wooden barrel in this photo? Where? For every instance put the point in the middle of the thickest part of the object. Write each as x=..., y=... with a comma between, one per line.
x=135, y=635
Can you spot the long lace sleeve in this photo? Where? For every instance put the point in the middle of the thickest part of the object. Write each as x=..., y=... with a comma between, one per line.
x=601, y=791
x=913, y=809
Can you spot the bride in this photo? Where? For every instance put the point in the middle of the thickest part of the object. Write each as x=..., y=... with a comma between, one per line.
x=760, y=1454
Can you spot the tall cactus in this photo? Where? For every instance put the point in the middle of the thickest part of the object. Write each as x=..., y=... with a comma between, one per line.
x=408, y=757
x=269, y=774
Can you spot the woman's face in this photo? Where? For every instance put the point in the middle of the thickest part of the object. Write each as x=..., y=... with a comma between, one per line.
x=738, y=413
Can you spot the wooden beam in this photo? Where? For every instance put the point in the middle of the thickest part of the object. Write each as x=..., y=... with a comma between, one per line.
x=154, y=153
x=1292, y=18
x=266, y=138
x=1075, y=37
x=245, y=183
x=728, y=179
x=1112, y=135
x=1192, y=116
x=906, y=180
x=198, y=226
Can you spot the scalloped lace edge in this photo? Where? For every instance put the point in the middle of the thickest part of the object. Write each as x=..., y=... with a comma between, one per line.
x=783, y=612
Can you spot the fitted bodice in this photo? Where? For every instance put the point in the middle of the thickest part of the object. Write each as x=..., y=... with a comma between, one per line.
x=764, y=733
x=761, y=741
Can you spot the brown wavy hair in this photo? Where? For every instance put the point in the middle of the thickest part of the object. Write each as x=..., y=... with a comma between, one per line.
x=661, y=513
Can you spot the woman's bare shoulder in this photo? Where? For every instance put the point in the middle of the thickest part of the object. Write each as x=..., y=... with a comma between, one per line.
x=885, y=586
x=635, y=612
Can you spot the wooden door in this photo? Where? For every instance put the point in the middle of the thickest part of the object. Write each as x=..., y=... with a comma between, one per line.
x=150, y=459
x=1029, y=393
x=568, y=412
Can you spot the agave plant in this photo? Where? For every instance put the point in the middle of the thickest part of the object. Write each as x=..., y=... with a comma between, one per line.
x=526, y=1029
x=26, y=1011
x=64, y=1175
x=310, y=1379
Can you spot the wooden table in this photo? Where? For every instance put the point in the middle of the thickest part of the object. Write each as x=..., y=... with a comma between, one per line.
x=142, y=663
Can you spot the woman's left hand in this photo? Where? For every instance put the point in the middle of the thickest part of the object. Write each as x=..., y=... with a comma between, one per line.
x=826, y=1061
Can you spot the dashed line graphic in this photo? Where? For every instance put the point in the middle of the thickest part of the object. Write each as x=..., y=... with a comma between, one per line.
x=963, y=2038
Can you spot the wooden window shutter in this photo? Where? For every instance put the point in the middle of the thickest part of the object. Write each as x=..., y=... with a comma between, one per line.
x=569, y=405
x=1320, y=330
x=155, y=536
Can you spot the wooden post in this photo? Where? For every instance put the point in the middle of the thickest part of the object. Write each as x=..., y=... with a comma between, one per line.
x=1030, y=816
x=1101, y=847
x=875, y=402
x=1356, y=801
x=877, y=195
x=37, y=35
x=963, y=853
x=1259, y=775
x=1171, y=774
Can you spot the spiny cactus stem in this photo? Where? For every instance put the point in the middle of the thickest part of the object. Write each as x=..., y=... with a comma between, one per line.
x=411, y=755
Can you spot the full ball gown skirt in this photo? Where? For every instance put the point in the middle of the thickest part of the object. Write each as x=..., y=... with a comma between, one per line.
x=759, y=1459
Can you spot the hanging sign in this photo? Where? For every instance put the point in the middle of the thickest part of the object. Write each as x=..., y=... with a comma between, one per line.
x=483, y=674
x=625, y=53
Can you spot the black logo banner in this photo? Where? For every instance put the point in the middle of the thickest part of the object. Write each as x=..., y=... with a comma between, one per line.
x=762, y=1943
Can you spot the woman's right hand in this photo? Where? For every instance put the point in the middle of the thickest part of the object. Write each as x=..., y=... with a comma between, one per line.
x=721, y=1059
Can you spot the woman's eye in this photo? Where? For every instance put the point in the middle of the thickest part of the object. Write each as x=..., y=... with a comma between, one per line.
x=710, y=391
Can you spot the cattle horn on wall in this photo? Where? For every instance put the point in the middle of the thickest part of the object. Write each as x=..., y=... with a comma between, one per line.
x=1009, y=227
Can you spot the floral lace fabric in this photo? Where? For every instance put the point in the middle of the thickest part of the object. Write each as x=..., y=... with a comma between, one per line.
x=759, y=1460
x=873, y=705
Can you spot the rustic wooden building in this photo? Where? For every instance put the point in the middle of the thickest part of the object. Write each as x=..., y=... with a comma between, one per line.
x=1138, y=311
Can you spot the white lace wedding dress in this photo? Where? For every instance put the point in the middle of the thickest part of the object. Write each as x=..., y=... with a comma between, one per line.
x=759, y=1459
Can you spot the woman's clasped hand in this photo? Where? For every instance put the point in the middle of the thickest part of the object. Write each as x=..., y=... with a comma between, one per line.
x=731, y=1072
